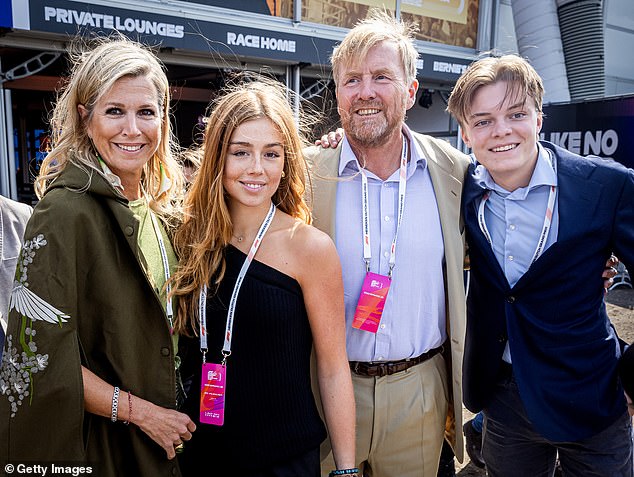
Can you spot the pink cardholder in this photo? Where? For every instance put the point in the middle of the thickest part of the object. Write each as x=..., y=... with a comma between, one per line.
x=212, y=394
x=371, y=302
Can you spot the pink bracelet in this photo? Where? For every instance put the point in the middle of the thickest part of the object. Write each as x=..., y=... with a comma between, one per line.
x=126, y=422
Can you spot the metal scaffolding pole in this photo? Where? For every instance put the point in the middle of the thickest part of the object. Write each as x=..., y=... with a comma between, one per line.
x=5, y=136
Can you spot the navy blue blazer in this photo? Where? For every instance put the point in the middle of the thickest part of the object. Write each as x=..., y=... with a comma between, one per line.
x=564, y=351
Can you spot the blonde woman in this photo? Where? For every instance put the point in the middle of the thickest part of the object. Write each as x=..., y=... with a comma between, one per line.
x=89, y=372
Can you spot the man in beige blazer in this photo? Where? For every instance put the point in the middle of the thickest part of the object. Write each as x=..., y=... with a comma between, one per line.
x=407, y=370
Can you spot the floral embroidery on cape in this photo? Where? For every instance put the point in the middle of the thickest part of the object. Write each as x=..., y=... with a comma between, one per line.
x=18, y=367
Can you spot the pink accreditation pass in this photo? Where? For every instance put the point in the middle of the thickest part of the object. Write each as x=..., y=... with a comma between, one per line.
x=371, y=302
x=212, y=394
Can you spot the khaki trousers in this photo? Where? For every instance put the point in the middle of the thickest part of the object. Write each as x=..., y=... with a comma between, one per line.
x=400, y=421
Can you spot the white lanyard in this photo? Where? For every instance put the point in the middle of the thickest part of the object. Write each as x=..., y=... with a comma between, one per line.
x=541, y=243
x=166, y=269
x=402, y=183
x=202, y=301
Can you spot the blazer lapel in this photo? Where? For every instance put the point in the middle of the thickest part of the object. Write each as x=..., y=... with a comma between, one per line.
x=324, y=173
x=476, y=239
x=577, y=199
x=446, y=187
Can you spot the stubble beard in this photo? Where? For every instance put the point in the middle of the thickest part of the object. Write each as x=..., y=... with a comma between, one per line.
x=373, y=132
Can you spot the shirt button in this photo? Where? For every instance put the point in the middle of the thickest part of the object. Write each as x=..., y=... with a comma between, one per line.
x=380, y=358
x=386, y=254
x=382, y=326
x=511, y=258
x=165, y=351
x=512, y=226
x=387, y=218
x=385, y=184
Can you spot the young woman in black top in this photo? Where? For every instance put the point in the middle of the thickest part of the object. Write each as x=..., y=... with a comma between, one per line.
x=257, y=325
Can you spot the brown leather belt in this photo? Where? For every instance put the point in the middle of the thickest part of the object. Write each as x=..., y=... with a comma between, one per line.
x=387, y=368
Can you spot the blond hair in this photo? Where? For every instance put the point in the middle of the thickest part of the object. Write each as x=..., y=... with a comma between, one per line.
x=521, y=78
x=206, y=230
x=379, y=26
x=95, y=70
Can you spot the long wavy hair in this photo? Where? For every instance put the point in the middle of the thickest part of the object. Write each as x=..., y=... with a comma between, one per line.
x=96, y=66
x=206, y=230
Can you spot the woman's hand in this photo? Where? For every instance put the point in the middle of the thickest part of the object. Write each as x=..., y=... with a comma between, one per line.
x=167, y=427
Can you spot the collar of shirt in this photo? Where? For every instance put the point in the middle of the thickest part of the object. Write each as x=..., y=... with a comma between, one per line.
x=349, y=164
x=114, y=179
x=544, y=174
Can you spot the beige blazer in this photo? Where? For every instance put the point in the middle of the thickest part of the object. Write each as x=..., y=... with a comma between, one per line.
x=447, y=167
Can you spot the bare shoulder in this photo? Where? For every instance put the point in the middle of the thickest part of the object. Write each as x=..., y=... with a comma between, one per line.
x=314, y=254
x=310, y=242
x=298, y=250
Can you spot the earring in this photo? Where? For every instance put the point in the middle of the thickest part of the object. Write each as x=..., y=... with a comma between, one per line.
x=283, y=174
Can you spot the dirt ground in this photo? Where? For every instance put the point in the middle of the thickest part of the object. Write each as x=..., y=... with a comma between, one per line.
x=620, y=304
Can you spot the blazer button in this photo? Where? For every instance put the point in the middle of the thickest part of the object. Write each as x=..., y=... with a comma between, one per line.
x=510, y=299
x=501, y=339
x=165, y=351
x=129, y=230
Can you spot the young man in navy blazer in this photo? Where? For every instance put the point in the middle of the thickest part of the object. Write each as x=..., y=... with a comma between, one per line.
x=541, y=357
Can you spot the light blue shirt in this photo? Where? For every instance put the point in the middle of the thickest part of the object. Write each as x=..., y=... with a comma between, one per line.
x=413, y=319
x=515, y=219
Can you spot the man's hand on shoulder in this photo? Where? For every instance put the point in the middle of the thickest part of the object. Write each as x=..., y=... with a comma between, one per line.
x=609, y=272
x=331, y=139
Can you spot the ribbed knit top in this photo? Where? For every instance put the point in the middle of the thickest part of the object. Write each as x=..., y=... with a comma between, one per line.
x=270, y=412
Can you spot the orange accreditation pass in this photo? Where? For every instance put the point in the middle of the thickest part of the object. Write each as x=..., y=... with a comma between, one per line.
x=371, y=302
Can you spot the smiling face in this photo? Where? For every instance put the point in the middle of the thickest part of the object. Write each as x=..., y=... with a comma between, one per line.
x=125, y=128
x=254, y=163
x=501, y=127
x=373, y=96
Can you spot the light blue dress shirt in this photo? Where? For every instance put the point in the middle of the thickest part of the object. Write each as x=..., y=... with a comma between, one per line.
x=515, y=219
x=413, y=319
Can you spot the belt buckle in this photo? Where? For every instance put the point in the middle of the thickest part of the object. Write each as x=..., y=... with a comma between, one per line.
x=382, y=370
x=408, y=364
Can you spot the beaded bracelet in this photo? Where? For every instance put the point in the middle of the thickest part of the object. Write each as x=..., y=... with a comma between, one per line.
x=352, y=471
x=115, y=404
x=127, y=421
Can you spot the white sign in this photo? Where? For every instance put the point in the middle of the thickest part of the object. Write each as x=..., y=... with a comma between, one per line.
x=113, y=22
x=260, y=42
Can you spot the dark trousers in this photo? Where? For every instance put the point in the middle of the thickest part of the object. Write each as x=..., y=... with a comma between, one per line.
x=512, y=447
